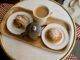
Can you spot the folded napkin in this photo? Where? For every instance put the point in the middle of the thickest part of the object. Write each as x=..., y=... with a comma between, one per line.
x=73, y=7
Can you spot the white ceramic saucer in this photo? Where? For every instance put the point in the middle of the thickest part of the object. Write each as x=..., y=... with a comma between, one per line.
x=21, y=51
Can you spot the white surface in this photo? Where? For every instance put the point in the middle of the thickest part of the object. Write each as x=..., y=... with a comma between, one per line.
x=22, y=51
x=64, y=40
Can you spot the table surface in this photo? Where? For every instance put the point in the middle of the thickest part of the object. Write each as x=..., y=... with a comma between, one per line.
x=75, y=55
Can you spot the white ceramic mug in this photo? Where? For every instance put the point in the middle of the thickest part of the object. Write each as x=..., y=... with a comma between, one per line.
x=41, y=12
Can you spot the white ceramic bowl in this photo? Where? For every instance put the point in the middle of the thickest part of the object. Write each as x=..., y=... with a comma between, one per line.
x=11, y=19
x=58, y=28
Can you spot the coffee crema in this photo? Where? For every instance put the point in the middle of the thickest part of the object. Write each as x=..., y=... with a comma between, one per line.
x=20, y=21
x=53, y=35
x=41, y=11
